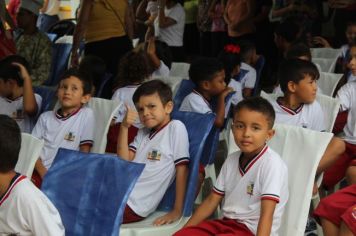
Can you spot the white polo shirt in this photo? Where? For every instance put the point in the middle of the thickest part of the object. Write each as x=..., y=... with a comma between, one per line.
x=310, y=116
x=347, y=97
x=68, y=132
x=237, y=97
x=15, y=109
x=161, y=151
x=25, y=211
x=124, y=96
x=162, y=70
x=249, y=80
x=264, y=177
x=195, y=102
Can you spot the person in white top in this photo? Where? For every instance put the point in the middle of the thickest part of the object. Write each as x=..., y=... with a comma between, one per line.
x=17, y=98
x=72, y=125
x=298, y=105
x=162, y=145
x=24, y=209
x=253, y=182
x=346, y=164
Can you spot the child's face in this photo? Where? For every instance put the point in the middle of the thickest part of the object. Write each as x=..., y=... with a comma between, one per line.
x=305, y=90
x=352, y=62
x=70, y=94
x=153, y=114
x=351, y=33
x=217, y=84
x=251, y=131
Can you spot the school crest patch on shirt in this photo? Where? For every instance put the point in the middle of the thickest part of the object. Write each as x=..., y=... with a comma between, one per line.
x=69, y=137
x=154, y=155
x=249, y=189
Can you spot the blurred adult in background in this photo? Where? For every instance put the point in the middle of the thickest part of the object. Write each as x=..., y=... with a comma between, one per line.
x=7, y=44
x=49, y=14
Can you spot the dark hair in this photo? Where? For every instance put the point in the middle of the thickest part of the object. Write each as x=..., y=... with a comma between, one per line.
x=204, y=69
x=288, y=30
x=133, y=69
x=10, y=143
x=230, y=60
x=164, y=53
x=295, y=70
x=350, y=23
x=95, y=66
x=260, y=105
x=9, y=71
x=297, y=50
x=247, y=48
x=84, y=77
x=151, y=87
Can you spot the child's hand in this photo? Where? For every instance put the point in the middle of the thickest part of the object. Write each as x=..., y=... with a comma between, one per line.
x=23, y=72
x=130, y=117
x=225, y=92
x=321, y=41
x=151, y=46
x=167, y=218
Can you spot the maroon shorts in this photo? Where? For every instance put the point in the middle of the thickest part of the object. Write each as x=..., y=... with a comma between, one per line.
x=130, y=216
x=340, y=122
x=225, y=227
x=334, y=206
x=36, y=179
x=113, y=133
x=349, y=217
x=336, y=172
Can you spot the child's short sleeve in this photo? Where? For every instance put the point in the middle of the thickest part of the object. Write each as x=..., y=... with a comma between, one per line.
x=345, y=95
x=87, y=134
x=137, y=141
x=38, y=130
x=250, y=79
x=180, y=143
x=219, y=187
x=195, y=103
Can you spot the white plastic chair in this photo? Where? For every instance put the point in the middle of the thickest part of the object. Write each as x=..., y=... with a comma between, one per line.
x=331, y=53
x=172, y=81
x=331, y=108
x=180, y=69
x=328, y=82
x=326, y=64
x=29, y=153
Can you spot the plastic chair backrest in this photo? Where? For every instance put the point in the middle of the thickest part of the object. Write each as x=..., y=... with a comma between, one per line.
x=331, y=107
x=328, y=82
x=198, y=127
x=301, y=149
x=29, y=153
x=48, y=95
x=180, y=69
x=185, y=88
x=331, y=53
x=259, y=67
x=52, y=36
x=172, y=81
x=62, y=27
x=326, y=64
x=90, y=190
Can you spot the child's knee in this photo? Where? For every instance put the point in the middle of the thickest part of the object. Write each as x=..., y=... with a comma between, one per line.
x=337, y=146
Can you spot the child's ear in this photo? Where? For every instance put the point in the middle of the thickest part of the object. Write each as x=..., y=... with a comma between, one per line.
x=169, y=107
x=205, y=85
x=270, y=134
x=85, y=99
x=291, y=86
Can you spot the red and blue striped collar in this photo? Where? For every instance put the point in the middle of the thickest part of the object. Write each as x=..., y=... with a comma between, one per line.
x=250, y=163
x=63, y=118
x=154, y=132
x=18, y=178
x=289, y=110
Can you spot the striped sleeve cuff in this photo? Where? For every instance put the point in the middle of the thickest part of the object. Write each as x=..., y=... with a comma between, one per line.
x=132, y=148
x=181, y=161
x=86, y=142
x=272, y=197
x=218, y=191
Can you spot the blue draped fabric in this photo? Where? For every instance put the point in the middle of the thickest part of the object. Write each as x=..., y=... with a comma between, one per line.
x=90, y=190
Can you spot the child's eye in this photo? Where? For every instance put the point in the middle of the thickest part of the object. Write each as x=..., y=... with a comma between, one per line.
x=238, y=126
x=151, y=106
x=255, y=128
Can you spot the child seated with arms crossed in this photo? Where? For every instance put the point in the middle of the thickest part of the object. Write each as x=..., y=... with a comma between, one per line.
x=299, y=107
x=133, y=71
x=17, y=98
x=252, y=184
x=24, y=209
x=71, y=126
x=162, y=145
x=346, y=164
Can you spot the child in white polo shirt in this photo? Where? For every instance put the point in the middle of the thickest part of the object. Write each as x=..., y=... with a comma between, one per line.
x=24, y=209
x=162, y=145
x=17, y=98
x=252, y=184
x=299, y=107
x=72, y=125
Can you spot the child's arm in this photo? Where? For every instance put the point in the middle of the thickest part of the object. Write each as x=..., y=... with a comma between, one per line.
x=181, y=183
x=40, y=168
x=163, y=20
x=220, y=108
x=85, y=148
x=151, y=52
x=247, y=92
x=122, y=144
x=29, y=101
x=266, y=217
x=205, y=209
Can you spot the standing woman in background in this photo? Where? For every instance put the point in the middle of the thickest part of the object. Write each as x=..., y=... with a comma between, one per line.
x=107, y=28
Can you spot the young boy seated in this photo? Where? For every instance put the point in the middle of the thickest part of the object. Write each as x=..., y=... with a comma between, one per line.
x=17, y=98
x=72, y=125
x=162, y=145
x=24, y=209
x=299, y=107
x=209, y=77
x=252, y=184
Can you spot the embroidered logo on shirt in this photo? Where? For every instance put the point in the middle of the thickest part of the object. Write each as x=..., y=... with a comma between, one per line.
x=18, y=115
x=249, y=189
x=154, y=155
x=69, y=137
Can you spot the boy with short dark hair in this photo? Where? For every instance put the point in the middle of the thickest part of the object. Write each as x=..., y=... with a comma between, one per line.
x=162, y=145
x=209, y=77
x=17, y=98
x=253, y=182
x=299, y=107
x=72, y=125
x=24, y=209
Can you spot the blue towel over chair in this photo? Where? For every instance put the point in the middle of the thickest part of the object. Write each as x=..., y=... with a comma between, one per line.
x=90, y=190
